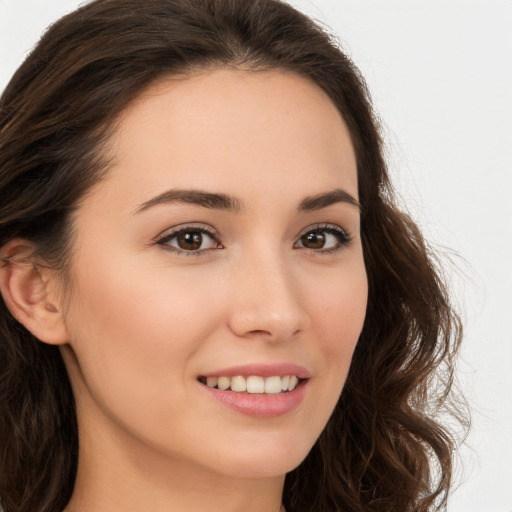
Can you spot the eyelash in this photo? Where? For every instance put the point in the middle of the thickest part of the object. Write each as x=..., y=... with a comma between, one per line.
x=343, y=238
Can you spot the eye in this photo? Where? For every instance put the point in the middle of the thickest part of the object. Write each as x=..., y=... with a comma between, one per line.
x=190, y=240
x=324, y=238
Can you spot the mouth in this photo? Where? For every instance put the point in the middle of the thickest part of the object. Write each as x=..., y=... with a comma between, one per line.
x=258, y=390
x=253, y=384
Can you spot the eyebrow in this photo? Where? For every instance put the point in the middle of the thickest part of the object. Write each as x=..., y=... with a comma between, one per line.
x=219, y=201
x=326, y=199
x=196, y=197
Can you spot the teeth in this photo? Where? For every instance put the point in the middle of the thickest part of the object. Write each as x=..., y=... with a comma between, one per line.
x=254, y=384
x=273, y=385
x=224, y=383
x=212, y=381
x=238, y=384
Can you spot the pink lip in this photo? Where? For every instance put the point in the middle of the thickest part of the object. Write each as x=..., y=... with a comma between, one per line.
x=263, y=370
x=259, y=405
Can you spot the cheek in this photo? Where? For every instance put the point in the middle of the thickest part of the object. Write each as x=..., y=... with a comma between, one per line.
x=338, y=313
x=134, y=331
x=133, y=306
x=339, y=310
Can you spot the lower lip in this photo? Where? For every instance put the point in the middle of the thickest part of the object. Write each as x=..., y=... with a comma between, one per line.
x=260, y=405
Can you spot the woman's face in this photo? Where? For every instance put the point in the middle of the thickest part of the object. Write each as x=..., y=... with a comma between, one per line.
x=222, y=248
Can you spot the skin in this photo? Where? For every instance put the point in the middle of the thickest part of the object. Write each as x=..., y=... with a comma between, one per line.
x=143, y=321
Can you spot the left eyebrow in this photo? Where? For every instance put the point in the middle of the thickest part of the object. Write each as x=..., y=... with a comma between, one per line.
x=326, y=199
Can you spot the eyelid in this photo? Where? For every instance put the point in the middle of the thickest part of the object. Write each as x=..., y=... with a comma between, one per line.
x=199, y=226
x=326, y=226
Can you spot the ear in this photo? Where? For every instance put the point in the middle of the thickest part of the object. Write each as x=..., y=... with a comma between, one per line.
x=29, y=292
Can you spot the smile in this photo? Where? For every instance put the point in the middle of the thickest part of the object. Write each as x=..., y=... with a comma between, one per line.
x=261, y=398
x=253, y=384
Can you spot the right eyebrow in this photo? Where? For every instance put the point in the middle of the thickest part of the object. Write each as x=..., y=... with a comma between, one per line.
x=196, y=197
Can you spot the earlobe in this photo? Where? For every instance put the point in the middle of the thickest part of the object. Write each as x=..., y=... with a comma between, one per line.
x=25, y=289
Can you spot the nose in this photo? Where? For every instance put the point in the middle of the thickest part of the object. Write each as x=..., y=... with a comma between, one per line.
x=266, y=299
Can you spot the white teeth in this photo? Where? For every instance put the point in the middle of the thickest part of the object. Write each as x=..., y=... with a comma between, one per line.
x=292, y=384
x=212, y=381
x=224, y=383
x=273, y=385
x=238, y=384
x=254, y=384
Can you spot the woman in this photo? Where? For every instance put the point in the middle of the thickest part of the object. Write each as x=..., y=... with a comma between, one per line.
x=211, y=301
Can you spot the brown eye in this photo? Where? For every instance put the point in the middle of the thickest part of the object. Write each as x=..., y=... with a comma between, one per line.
x=324, y=239
x=313, y=240
x=190, y=240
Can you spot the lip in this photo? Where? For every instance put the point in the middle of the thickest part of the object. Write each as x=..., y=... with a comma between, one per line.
x=262, y=370
x=259, y=405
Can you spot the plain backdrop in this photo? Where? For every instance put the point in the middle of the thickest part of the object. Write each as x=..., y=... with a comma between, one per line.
x=441, y=78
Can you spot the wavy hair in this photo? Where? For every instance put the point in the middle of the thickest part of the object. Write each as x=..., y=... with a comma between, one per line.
x=383, y=449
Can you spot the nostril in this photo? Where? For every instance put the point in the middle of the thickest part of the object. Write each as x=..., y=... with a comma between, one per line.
x=259, y=331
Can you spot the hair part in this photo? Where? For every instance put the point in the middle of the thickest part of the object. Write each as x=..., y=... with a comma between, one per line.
x=382, y=449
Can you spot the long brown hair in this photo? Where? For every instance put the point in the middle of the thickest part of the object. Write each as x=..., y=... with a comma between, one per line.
x=382, y=449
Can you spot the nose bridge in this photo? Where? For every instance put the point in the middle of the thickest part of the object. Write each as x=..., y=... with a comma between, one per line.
x=266, y=300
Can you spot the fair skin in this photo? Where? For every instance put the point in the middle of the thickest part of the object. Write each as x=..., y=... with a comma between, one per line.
x=268, y=283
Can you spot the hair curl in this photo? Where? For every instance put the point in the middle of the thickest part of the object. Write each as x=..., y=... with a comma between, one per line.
x=382, y=449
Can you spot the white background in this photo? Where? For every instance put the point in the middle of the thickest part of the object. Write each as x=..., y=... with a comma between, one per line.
x=440, y=72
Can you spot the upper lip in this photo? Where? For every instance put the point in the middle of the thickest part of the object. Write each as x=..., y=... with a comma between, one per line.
x=262, y=370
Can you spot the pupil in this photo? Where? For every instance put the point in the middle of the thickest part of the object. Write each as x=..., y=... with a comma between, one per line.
x=191, y=240
x=314, y=240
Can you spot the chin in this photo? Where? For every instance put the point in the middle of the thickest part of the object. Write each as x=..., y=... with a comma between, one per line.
x=264, y=459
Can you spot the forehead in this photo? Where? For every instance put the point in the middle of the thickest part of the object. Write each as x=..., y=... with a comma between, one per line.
x=234, y=132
